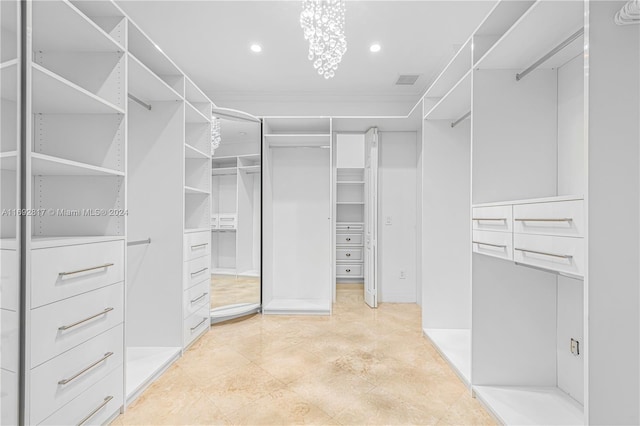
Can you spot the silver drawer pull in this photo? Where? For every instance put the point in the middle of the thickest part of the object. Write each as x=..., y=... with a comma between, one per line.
x=198, y=325
x=492, y=219
x=199, y=271
x=348, y=270
x=198, y=298
x=489, y=244
x=530, y=219
x=95, y=410
x=84, y=370
x=66, y=327
x=348, y=239
x=348, y=254
x=197, y=246
x=561, y=256
x=106, y=265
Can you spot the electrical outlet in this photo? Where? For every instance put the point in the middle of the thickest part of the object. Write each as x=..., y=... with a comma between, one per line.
x=403, y=274
x=575, y=347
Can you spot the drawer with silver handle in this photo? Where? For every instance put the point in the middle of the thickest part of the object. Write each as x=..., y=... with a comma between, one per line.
x=60, y=326
x=196, y=271
x=61, y=272
x=196, y=297
x=58, y=381
x=492, y=243
x=349, y=271
x=196, y=244
x=95, y=406
x=492, y=218
x=349, y=239
x=348, y=254
x=560, y=254
x=563, y=218
x=349, y=227
x=196, y=324
x=227, y=221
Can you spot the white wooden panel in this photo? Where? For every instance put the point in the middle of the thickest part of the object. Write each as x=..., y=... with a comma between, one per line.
x=196, y=325
x=10, y=341
x=349, y=270
x=9, y=280
x=196, y=297
x=196, y=244
x=349, y=227
x=562, y=254
x=548, y=218
x=9, y=397
x=571, y=326
x=494, y=218
x=492, y=243
x=348, y=254
x=349, y=239
x=350, y=150
x=196, y=271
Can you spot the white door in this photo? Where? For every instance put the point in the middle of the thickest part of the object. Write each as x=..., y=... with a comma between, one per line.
x=371, y=218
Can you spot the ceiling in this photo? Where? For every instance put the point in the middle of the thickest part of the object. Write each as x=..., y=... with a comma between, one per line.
x=210, y=41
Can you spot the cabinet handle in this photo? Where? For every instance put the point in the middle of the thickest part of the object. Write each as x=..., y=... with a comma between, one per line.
x=348, y=270
x=561, y=256
x=106, y=265
x=198, y=325
x=348, y=254
x=95, y=410
x=348, y=239
x=198, y=298
x=493, y=219
x=197, y=246
x=66, y=327
x=84, y=370
x=489, y=244
x=529, y=219
x=199, y=272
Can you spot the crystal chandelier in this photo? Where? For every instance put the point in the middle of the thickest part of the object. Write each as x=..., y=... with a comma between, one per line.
x=216, y=136
x=323, y=24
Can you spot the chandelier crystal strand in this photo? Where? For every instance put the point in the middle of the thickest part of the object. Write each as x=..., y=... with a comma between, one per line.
x=215, y=134
x=323, y=23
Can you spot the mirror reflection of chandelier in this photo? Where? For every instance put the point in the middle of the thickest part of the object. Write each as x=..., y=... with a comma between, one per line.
x=323, y=24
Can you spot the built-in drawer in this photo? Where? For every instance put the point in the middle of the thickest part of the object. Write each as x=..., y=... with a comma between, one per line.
x=493, y=218
x=562, y=254
x=349, y=239
x=349, y=254
x=9, y=398
x=227, y=221
x=349, y=270
x=61, y=272
x=196, y=324
x=10, y=342
x=349, y=227
x=60, y=326
x=214, y=221
x=196, y=271
x=196, y=297
x=196, y=244
x=9, y=280
x=563, y=218
x=94, y=406
x=492, y=243
x=57, y=382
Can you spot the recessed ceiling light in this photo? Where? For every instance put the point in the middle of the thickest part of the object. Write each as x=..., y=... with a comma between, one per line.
x=256, y=48
x=375, y=47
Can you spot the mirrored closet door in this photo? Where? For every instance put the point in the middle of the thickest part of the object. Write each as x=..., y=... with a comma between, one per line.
x=236, y=217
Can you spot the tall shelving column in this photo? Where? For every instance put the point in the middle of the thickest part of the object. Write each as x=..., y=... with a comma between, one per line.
x=224, y=215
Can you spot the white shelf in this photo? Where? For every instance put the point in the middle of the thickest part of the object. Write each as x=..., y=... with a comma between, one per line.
x=455, y=346
x=46, y=165
x=47, y=242
x=530, y=405
x=53, y=94
x=455, y=104
x=60, y=26
x=8, y=160
x=145, y=85
x=151, y=55
x=223, y=271
x=298, y=306
x=193, y=115
x=193, y=152
x=298, y=140
x=459, y=65
x=192, y=190
x=221, y=171
x=223, y=229
x=9, y=86
x=250, y=169
x=293, y=124
x=531, y=200
x=144, y=365
x=524, y=43
x=194, y=230
x=193, y=93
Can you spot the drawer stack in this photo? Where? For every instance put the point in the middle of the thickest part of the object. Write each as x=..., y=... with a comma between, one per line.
x=544, y=234
x=195, y=285
x=224, y=221
x=350, y=250
x=76, y=333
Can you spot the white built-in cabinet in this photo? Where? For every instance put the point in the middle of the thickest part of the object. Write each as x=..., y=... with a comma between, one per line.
x=509, y=296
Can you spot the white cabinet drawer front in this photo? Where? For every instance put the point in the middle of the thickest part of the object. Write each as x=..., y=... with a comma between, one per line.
x=60, y=326
x=491, y=243
x=9, y=398
x=493, y=218
x=349, y=254
x=196, y=324
x=61, y=272
x=196, y=271
x=349, y=227
x=562, y=254
x=197, y=244
x=349, y=239
x=9, y=281
x=214, y=221
x=57, y=382
x=227, y=221
x=196, y=297
x=349, y=270
x=10, y=342
x=565, y=218
x=94, y=406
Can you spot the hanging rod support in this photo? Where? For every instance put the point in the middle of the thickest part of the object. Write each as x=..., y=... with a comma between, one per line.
x=461, y=119
x=138, y=101
x=555, y=50
x=139, y=242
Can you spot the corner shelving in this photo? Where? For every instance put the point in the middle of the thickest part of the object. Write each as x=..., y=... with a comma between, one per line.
x=193, y=152
x=459, y=65
x=194, y=115
x=455, y=103
x=146, y=85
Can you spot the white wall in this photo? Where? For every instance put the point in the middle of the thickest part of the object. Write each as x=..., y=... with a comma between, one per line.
x=397, y=198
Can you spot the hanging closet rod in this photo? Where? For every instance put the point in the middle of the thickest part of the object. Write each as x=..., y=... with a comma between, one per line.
x=459, y=120
x=555, y=50
x=136, y=100
x=139, y=242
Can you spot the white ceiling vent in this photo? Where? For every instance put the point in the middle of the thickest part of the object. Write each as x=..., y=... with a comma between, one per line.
x=407, y=79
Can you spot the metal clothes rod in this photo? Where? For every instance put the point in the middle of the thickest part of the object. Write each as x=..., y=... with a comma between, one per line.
x=555, y=50
x=139, y=242
x=138, y=101
x=459, y=120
